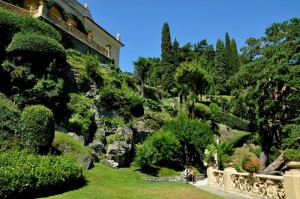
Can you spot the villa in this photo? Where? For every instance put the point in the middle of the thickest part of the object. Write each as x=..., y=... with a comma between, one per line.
x=76, y=24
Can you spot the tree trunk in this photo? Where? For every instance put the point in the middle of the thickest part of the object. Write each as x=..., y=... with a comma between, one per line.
x=142, y=88
x=275, y=165
x=263, y=161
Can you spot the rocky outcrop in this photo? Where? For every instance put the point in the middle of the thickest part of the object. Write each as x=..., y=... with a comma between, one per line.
x=119, y=152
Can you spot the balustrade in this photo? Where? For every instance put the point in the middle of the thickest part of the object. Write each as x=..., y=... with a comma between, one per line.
x=15, y=9
x=256, y=185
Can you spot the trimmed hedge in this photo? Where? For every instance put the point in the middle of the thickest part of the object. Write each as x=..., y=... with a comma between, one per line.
x=35, y=173
x=36, y=26
x=202, y=111
x=37, y=128
x=35, y=43
x=230, y=120
x=153, y=105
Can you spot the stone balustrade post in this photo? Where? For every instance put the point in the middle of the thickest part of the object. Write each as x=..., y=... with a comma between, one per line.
x=291, y=180
x=228, y=181
x=210, y=175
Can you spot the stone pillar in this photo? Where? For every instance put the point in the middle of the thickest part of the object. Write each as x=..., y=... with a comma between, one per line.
x=228, y=182
x=291, y=181
x=210, y=176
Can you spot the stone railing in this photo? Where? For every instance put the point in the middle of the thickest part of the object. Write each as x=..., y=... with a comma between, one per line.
x=256, y=185
x=75, y=32
x=15, y=9
x=264, y=186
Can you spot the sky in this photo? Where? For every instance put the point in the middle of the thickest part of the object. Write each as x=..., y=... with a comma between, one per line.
x=140, y=22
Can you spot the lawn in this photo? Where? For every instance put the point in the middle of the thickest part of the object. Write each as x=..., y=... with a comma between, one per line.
x=104, y=182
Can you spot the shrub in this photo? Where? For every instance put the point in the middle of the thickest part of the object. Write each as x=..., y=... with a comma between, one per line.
x=82, y=118
x=225, y=159
x=10, y=24
x=37, y=128
x=230, y=120
x=35, y=173
x=108, y=98
x=214, y=106
x=161, y=149
x=34, y=43
x=9, y=117
x=202, y=111
x=250, y=165
x=136, y=106
x=36, y=26
x=172, y=111
x=153, y=105
x=292, y=154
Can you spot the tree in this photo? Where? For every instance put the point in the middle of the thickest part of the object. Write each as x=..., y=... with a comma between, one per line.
x=228, y=55
x=219, y=78
x=194, y=76
x=271, y=79
x=141, y=67
x=166, y=46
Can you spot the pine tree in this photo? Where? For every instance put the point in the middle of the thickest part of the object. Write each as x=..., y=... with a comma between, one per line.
x=166, y=46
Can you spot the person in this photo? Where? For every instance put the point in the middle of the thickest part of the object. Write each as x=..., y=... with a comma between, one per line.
x=191, y=174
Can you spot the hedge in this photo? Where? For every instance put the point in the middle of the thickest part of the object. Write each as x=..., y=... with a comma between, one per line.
x=32, y=42
x=9, y=117
x=10, y=24
x=37, y=128
x=36, y=26
x=153, y=105
x=24, y=174
x=230, y=120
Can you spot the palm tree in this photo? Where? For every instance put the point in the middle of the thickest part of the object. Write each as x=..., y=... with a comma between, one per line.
x=141, y=67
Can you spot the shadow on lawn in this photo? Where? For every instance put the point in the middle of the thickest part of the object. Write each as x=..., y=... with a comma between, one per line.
x=51, y=191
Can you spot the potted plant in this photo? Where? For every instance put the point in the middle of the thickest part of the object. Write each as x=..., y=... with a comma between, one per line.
x=292, y=157
x=226, y=160
x=71, y=20
x=250, y=165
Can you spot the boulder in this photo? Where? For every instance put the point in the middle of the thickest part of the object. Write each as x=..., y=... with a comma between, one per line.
x=111, y=164
x=97, y=145
x=86, y=160
x=119, y=152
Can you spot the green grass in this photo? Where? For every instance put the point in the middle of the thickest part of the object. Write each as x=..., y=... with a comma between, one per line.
x=104, y=182
x=70, y=145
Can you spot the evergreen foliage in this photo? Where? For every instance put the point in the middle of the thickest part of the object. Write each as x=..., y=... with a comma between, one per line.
x=220, y=67
x=37, y=128
x=33, y=43
x=166, y=46
x=27, y=175
x=230, y=120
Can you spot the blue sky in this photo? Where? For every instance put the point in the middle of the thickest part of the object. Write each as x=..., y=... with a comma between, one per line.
x=140, y=22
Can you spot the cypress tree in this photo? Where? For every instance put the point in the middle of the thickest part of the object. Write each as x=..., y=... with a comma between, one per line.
x=176, y=56
x=166, y=46
x=235, y=57
x=228, y=55
x=220, y=67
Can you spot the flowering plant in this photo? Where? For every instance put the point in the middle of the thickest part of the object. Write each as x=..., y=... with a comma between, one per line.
x=250, y=165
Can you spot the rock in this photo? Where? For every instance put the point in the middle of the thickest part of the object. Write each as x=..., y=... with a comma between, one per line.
x=119, y=152
x=97, y=145
x=112, y=164
x=60, y=128
x=86, y=160
x=79, y=138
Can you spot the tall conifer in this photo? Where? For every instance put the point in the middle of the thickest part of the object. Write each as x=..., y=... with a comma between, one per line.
x=166, y=46
x=235, y=57
x=220, y=67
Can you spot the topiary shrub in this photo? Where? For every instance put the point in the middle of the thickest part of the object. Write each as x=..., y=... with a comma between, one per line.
x=202, y=111
x=33, y=43
x=153, y=105
x=10, y=23
x=214, y=106
x=230, y=120
x=292, y=154
x=36, y=26
x=37, y=128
